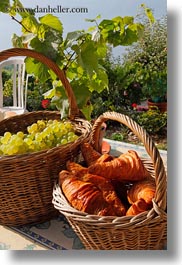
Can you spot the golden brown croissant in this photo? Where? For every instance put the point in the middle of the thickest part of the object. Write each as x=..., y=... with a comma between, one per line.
x=89, y=154
x=77, y=169
x=84, y=196
x=104, y=158
x=102, y=183
x=142, y=190
x=108, y=192
x=137, y=207
x=127, y=167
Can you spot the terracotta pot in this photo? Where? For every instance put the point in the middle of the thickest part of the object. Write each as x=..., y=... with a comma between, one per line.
x=162, y=106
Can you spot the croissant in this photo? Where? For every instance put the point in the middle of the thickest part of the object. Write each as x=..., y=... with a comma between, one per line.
x=104, y=158
x=127, y=167
x=142, y=190
x=137, y=207
x=102, y=183
x=84, y=196
x=108, y=192
x=77, y=169
x=89, y=154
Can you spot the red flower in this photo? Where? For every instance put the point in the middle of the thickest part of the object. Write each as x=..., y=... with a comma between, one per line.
x=45, y=103
x=134, y=105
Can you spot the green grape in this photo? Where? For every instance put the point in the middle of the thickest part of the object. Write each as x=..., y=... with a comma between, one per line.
x=20, y=134
x=7, y=135
x=18, y=141
x=31, y=147
x=55, y=128
x=47, y=130
x=4, y=140
x=61, y=126
x=41, y=125
x=64, y=141
x=42, y=145
x=2, y=147
x=55, y=121
x=71, y=134
x=49, y=122
x=40, y=135
x=43, y=135
x=12, y=150
x=59, y=134
x=68, y=125
x=50, y=137
x=34, y=127
x=48, y=143
x=28, y=141
x=29, y=129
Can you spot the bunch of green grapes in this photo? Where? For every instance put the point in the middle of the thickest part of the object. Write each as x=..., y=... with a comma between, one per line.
x=40, y=136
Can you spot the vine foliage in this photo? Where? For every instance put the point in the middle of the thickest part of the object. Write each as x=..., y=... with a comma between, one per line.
x=80, y=54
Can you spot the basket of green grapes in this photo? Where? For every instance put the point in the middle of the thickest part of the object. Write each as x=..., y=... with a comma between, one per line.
x=34, y=148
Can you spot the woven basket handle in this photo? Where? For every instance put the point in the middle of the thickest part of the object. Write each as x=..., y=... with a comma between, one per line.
x=5, y=54
x=160, y=174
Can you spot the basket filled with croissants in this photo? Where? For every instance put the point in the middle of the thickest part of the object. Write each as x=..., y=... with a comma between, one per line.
x=115, y=203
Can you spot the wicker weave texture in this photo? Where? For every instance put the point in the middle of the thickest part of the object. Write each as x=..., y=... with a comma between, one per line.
x=147, y=230
x=26, y=181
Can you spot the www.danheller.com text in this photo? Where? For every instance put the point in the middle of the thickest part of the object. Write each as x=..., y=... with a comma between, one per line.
x=51, y=9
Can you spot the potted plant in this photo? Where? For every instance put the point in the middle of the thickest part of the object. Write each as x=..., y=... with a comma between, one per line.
x=155, y=89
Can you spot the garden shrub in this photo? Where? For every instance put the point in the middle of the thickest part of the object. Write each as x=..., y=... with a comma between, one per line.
x=152, y=120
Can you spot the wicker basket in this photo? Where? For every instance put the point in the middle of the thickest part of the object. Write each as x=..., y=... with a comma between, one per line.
x=26, y=181
x=147, y=230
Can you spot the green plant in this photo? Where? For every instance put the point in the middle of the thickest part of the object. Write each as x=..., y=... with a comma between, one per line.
x=79, y=54
x=121, y=92
x=117, y=136
x=35, y=93
x=152, y=120
x=147, y=60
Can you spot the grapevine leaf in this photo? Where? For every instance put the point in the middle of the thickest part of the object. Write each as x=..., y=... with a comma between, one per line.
x=106, y=24
x=72, y=37
x=44, y=47
x=81, y=92
x=87, y=111
x=99, y=81
x=50, y=93
x=30, y=24
x=52, y=22
x=148, y=13
x=128, y=20
x=4, y=6
x=94, y=19
x=17, y=41
x=40, y=70
x=102, y=50
x=87, y=57
x=96, y=35
x=41, y=32
x=91, y=29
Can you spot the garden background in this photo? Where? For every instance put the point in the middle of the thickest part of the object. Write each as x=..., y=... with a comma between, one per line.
x=102, y=76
